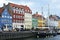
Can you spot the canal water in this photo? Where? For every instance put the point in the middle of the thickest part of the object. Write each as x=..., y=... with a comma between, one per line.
x=47, y=38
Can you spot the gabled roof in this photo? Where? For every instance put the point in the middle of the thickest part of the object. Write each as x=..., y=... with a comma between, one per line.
x=38, y=16
x=26, y=8
x=58, y=17
x=14, y=5
x=55, y=17
x=2, y=9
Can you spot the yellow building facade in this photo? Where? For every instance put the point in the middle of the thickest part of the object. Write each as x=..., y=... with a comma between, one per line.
x=41, y=23
x=58, y=23
x=40, y=19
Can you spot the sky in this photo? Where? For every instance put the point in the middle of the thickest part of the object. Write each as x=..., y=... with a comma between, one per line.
x=37, y=5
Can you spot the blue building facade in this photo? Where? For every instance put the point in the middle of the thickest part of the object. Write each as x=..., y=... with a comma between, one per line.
x=6, y=19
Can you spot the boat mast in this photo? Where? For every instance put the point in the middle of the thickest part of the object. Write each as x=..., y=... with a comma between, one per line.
x=42, y=15
x=48, y=14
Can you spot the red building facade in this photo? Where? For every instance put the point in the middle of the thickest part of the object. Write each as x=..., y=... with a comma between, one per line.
x=18, y=12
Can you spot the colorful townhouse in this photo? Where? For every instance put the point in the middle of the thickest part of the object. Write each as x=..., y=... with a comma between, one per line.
x=52, y=22
x=16, y=16
x=34, y=21
x=21, y=16
x=41, y=23
x=58, y=22
x=5, y=17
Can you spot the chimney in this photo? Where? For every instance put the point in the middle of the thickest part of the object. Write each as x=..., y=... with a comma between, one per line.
x=3, y=4
x=36, y=12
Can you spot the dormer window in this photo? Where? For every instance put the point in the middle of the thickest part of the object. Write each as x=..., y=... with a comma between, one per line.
x=17, y=8
x=22, y=9
x=13, y=7
x=28, y=10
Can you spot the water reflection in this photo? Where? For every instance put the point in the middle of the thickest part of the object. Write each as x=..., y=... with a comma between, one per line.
x=48, y=38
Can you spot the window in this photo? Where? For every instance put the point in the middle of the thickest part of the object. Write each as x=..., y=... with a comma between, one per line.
x=21, y=8
x=28, y=10
x=10, y=17
x=2, y=16
x=14, y=16
x=25, y=10
x=14, y=9
x=13, y=20
x=17, y=10
x=7, y=16
x=16, y=21
x=20, y=12
x=18, y=16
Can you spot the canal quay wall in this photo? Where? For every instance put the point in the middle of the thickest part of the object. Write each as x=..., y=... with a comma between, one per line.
x=23, y=34
x=13, y=35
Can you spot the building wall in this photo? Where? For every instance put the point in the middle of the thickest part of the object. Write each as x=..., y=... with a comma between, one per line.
x=52, y=23
x=34, y=22
x=6, y=18
x=18, y=17
x=17, y=25
x=28, y=20
x=41, y=23
x=58, y=23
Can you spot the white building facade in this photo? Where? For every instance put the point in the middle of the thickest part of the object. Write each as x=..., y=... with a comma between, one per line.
x=51, y=23
x=28, y=20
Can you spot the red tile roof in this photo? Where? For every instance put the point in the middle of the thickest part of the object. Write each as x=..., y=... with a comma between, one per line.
x=53, y=17
x=14, y=5
x=26, y=8
x=1, y=10
x=37, y=16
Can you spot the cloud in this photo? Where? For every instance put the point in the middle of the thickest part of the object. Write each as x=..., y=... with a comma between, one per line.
x=3, y=1
x=27, y=3
x=54, y=1
x=16, y=2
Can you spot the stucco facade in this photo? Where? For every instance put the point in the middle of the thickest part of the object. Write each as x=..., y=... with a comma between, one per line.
x=28, y=20
x=58, y=23
x=21, y=16
x=6, y=18
x=34, y=22
x=52, y=23
x=41, y=23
